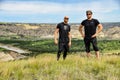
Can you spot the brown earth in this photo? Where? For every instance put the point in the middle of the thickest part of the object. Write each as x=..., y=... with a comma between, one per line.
x=38, y=31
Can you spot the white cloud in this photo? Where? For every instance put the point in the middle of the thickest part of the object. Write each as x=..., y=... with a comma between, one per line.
x=48, y=8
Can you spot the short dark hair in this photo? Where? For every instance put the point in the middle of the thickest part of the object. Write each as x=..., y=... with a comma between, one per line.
x=89, y=11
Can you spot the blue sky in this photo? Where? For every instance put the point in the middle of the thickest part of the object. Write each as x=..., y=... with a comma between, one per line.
x=53, y=11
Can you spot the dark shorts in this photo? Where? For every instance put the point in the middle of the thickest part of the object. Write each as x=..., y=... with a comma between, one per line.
x=63, y=47
x=93, y=41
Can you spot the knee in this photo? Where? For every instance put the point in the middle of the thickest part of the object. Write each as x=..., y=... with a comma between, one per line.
x=95, y=48
x=59, y=51
x=87, y=50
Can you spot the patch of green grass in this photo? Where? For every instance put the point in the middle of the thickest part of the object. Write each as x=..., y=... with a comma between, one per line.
x=3, y=50
x=47, y=45
x=45, y=67
x=75, y=67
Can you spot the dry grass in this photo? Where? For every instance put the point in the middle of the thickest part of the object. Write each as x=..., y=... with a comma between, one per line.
x=75, y=67
x=27, y=26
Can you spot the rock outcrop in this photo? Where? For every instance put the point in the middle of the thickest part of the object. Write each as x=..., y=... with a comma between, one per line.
x=38, y=31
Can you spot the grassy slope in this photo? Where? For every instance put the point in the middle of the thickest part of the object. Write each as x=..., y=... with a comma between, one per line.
x=47, y=46
x=45, y=67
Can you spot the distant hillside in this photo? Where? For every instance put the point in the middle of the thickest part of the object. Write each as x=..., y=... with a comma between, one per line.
x=113, y=24
x=38, y=31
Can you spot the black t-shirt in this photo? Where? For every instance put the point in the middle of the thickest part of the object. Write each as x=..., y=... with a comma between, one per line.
x=90, y=27
x=64, y=29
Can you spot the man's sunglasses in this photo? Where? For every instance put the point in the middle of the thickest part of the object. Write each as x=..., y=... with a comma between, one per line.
x=66, y=18
x=88, y=14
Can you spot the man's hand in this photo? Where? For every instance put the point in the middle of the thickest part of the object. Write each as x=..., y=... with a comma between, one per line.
x=56, y=41
x=94, y=35
x=81, y=31
x=83, y=35
x=69, y=44
x=56, y=36
x=100, y=27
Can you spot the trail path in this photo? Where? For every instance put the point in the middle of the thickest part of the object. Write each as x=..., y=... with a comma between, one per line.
x=14, y=54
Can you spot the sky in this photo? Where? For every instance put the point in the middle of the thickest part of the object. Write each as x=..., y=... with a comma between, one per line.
x=53, y=11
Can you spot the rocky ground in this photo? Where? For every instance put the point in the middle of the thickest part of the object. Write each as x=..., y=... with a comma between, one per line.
x=13, y=53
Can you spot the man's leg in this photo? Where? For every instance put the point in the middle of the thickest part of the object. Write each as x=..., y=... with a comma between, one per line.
x=60, y=47
x=66, y=49
x=88, y=54
x=97, y=54
x=58, y=55
x=65, y=55
x=87, y=46
x=95, y=47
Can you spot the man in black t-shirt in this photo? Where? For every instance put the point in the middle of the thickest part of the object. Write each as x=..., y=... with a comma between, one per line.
x=90, y=25
x=64, y=41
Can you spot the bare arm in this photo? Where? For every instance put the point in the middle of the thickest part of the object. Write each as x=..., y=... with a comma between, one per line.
x=56, y=36
x=70, y=37
x=100, y=27
x=81, y=31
